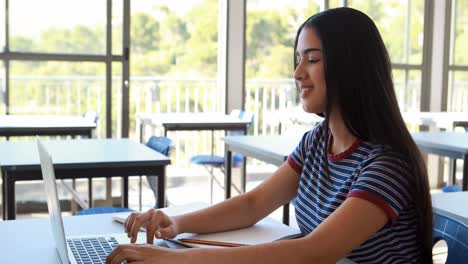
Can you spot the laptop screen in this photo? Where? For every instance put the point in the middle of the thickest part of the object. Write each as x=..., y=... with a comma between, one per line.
x=53, y=202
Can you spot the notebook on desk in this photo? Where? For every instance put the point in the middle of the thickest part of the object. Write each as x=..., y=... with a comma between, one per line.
x=266, y=230
x=73, y=249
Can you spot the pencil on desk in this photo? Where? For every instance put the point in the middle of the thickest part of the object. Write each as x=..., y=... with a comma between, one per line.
x=210, y=243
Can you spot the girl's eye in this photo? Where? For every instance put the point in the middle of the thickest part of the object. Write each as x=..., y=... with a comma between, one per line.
x=313, y=61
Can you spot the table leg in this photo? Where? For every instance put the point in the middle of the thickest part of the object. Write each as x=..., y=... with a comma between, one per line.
x=125, y=191
x=286, y=210
x=452, y=171
x=90, y=192
x=286, y=214
x=465, y=173
x=141, y=132
x=10, y=203
x=244, y=174
x=4, y=207
x=162, y=189
x=228, y=169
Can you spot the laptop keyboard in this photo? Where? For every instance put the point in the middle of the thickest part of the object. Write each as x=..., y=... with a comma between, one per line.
x=92, y=250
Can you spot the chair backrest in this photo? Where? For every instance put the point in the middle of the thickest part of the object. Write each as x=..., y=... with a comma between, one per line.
x=243, y=115
x=90, y=115
x=455, y=234
x=160, y=144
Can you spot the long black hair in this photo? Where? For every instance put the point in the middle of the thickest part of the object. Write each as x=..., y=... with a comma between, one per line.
x=358, y=77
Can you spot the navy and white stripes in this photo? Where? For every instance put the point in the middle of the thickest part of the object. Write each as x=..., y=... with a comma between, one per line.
x=368, y=171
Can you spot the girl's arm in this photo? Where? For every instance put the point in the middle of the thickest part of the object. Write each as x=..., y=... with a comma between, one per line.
x=246, y=209
x=345, y=229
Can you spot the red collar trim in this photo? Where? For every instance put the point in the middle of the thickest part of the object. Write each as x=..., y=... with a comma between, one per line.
x=343, y=155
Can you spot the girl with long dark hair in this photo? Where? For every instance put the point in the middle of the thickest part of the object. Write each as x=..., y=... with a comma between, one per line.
x=359, y=182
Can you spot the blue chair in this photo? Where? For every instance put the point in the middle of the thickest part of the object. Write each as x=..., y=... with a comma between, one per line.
x=452, y=188
x=454, y=231
x=211, y=162
x=162, y=145
x=103, y=210
x=453, y=162
x=92, y=116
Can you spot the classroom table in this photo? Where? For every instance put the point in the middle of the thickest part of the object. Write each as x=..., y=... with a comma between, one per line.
x=31, y=240
x=441, y=120
x=79, y=158
x=449, y=144
x=210, y=121
x=270, y=149
x=45, y=125
x=190, y=121
x=453, y=204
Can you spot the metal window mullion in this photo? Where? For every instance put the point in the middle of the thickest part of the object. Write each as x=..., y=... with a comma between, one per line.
x=125, y=69
x=324, y=5
x=108, y=69
x=446, y=54
x=428, y=31
x=402, y=66
x=458, y=67
x=453, y=30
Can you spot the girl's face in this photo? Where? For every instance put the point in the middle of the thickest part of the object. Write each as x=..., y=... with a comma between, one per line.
x=309, y=73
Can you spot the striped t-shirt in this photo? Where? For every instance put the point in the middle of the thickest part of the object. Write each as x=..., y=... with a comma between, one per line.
x=368, y=171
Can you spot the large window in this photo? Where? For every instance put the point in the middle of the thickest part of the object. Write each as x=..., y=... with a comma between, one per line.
x=79, y=26
x=458, y=65
x=400, y=23
x=174, y=54
x=270, y=32
x=56, y=60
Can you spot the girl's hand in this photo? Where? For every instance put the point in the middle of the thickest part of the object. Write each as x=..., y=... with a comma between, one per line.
x=144, y=253
x=157, y=223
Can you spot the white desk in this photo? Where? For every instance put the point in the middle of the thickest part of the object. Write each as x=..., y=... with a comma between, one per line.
x=271, y=149
x=445, y=120
x=449, y=144
x=31, y=241
x=190, y=121
x=90, y=158
x=47, y=125
x=454, y=204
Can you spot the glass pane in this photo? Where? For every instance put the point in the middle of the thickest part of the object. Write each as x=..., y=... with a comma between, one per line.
x=62, y=88
x=73, y=26
x=408, y=89
x=461, y=33
x=270, y=34
x=401, y=25
x=174, y=53
x=458, y=91
x=2, y=25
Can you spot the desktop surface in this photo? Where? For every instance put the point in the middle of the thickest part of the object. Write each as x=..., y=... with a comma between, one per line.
x=31, y=240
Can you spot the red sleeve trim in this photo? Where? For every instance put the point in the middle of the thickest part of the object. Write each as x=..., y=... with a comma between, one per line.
x=294, y=165
x=377, y=201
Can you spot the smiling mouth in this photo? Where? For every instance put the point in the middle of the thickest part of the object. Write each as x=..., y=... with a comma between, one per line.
x=305, y=91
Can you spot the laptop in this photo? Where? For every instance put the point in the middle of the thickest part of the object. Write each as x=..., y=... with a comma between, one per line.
x=74, y=249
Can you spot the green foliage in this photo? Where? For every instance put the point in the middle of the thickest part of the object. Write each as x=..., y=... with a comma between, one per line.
x=145, y=33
